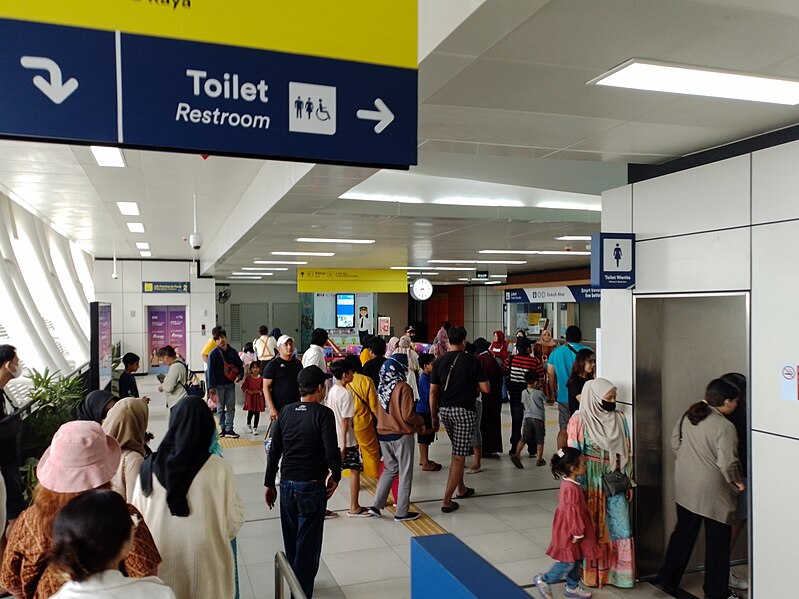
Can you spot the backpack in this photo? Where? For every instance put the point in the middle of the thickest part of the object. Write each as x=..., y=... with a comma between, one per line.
x=193, y=385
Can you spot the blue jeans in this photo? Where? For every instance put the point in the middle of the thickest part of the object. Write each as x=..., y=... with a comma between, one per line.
x=302, y=518
x=569, y=570
x=226, y=406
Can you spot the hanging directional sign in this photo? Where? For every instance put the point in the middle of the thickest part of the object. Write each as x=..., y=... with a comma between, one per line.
x=321, y=87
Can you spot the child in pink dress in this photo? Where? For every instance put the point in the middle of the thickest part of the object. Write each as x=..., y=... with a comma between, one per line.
x=254, y=402
x=573, y=536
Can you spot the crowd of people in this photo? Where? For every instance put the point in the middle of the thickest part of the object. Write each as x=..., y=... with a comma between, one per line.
x=170, y=517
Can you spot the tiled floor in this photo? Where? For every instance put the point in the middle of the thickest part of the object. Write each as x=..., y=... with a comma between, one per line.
x=508, y=523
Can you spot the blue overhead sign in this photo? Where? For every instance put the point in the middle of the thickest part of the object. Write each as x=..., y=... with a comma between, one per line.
x=104, y=87
x=613, y=260
x=566, y=293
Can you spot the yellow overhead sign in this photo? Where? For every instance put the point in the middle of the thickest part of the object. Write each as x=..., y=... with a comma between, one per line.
x=374, y=31
x=319, y=280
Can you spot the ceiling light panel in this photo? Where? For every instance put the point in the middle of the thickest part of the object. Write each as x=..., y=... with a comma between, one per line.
x=128, y=208
x=574, y=238
x=290, y=262
x=317, y=254
x=253, y=274
x=477, y=262
x=484, y=202
x=380, y=197
x=570, y=206
x=105, y=156
x=135, y=227
x=453, y=268
x=271, y=268
x=538, y=252
x=699, y=81
x=142, y=245
x=239, y=277
x=332, y=240
x=145, y=254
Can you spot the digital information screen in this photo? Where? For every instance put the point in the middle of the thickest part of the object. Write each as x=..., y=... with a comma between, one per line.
x=345, y=310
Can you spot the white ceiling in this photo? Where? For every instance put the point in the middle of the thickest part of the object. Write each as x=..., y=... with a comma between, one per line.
x=503, y=99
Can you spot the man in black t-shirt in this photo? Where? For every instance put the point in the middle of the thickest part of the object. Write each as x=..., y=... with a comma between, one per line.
x=305, y=436
x=456, y=381
x=280, y=377
x=377, y=349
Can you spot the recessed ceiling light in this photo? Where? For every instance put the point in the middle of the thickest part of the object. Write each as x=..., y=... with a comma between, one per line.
x=455, y=268
x=142, y=245
x=486, y=202
x=128, y=208
x=135, y=227
x=492, y=282
x=108, y=156
x=498, y=276
x=538, y=252
x=570, y=206
x=331, y=240
x=700, y=81
x=254, y=274
x=279, y=262
x=574, y=238
x=462, y=279
x=413, y=274
x=319, y=254
x=477, y=262
x=145, y=254
x=239, y=277
x=260, y=268
x=379, y=197
x=431, y=274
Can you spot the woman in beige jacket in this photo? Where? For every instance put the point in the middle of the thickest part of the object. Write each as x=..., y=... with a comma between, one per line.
x=707, y=480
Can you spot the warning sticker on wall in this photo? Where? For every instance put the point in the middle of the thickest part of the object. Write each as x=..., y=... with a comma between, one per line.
x=789, y=386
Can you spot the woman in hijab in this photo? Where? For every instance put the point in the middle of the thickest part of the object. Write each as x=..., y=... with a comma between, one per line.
x=189, y=499
x=397, y=421
x=441, y=342
x=499, y=348
x=601, y=433
x=80, y=458
x=127, y=423
x=405, y=346
x=393, y=343
x=95, y=406
x=490, y=424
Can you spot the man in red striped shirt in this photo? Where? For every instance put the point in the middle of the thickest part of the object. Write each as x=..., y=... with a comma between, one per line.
x=514, y=368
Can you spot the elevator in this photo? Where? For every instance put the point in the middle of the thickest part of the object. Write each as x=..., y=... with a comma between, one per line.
x=681, y=343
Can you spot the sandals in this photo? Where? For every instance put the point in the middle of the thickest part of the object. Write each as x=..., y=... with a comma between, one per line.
x=329, y=515
x=361, y=513
x=474, y=470
x=467, y=493
x=432, y=467
x=448, y=509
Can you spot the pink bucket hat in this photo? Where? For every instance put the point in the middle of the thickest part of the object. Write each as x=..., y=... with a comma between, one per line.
x=81, y=457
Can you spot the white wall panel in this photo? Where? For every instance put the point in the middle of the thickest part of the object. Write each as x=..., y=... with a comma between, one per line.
x=711, y=197
x=774, y=327
x=135, y=342
x=774, y=521
x=134, y=318
x=715, y=261
x=617, y=210
x=103, y=282
x=775, y=183
x=165, y=271
x=615, y=358
x=131, y=275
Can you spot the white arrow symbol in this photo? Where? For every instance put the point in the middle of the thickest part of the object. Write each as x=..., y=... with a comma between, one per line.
x=55, y=89
x=382, y=115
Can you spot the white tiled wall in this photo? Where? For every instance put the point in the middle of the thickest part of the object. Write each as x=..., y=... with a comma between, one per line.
x=482, y=311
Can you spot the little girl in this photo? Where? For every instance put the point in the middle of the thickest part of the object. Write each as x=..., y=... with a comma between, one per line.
x=247, y=356
x=573, y=536
x=254, y=403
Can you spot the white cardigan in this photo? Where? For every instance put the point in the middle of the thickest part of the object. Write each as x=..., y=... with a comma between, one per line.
x=111, y=584
x=198, y=559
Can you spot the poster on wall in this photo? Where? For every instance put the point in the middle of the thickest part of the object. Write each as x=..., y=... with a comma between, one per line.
x=166, y=325
x=384, y=326
x=177, y=329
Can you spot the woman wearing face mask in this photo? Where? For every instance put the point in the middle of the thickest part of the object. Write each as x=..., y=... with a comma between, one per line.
x=602, y=434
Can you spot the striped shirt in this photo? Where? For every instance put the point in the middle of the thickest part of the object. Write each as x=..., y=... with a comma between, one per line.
x=515, y=367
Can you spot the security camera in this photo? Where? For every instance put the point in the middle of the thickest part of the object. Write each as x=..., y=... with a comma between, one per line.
x=196, y=240
x=114, y=275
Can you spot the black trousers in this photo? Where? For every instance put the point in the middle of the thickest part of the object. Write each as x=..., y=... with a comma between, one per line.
x=516, y=419
x=717, y=553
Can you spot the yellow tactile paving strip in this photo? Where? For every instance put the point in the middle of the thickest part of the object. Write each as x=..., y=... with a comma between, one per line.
x=421, y=527
x=242, y=442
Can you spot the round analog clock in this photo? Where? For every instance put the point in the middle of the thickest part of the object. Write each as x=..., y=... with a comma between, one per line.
x=421, y=289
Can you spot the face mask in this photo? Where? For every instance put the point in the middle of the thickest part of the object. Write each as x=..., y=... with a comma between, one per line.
x=608, y=406
x=16, y=370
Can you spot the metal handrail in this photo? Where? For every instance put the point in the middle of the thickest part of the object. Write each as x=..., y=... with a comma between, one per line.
x=283, y=570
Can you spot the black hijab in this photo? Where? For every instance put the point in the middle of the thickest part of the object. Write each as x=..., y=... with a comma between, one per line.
x=183, y=451
x=93, y=407
x=480, y=345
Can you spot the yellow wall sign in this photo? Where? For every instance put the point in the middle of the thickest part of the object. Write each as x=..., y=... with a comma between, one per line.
x=319, y=280
x=373, y=31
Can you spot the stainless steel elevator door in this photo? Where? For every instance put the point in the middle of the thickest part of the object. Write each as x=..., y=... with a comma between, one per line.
x=681, y=343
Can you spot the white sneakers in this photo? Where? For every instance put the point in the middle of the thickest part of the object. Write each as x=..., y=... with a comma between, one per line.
x=738, y=583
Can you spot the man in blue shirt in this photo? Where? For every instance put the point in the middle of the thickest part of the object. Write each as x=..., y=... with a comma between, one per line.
x=224, y=371
x=559, y=367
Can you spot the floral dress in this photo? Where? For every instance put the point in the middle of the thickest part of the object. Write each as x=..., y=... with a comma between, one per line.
x=610, y=515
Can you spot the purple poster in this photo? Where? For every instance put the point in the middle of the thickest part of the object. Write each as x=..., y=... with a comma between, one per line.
x=157, y=330
x=177, y=329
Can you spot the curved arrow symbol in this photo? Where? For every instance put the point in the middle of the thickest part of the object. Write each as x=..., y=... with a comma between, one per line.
x=55, y=89
x=382, y=115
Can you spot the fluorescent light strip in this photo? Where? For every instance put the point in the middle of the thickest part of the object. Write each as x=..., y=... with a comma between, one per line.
x=142, y=245
x=406, y=267
x=318, y=254
x=278, y=262
x=570, y=206
x=145, y=254
x=239, y=277
x=694, y=81
x=498, y=276
x=253, y=274
x=483, y=202
x=574, y=238
x=379, y=197
x=128, y=208
x=454, y=268
x=463, y=279
x=332, y=240
x=538, y=252
x=492, y=282
x=477, y=262
x=135, y=227
x=430, y=274
x=106, y=156
x=259, y=268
